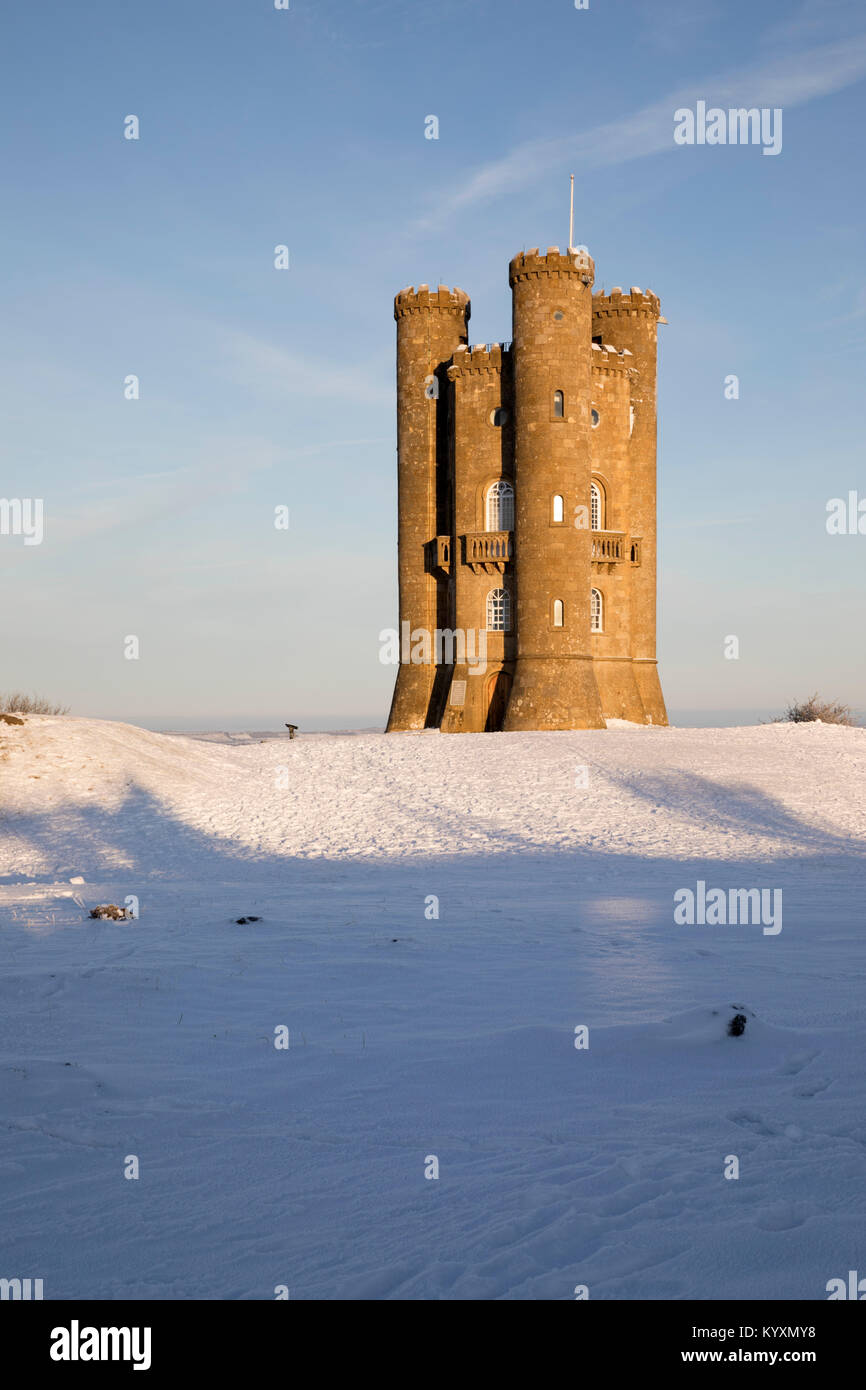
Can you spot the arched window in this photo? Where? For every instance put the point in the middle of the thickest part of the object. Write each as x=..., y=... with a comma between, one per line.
x=558, y=405
x=557, y=508
x=596, y=609
x=597, y=504
x=557, y=612
x=499, y=611
x=500, y=506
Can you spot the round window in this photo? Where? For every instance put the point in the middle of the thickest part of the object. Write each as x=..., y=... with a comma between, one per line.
x=498, y=416
x=595, y=418
x=558, y=315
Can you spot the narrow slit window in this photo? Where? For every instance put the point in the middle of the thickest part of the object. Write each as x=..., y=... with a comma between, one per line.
x=557, y=612
x=558, y=405
x=557, y=508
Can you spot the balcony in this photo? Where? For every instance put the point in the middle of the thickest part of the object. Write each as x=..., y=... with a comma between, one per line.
x=439, y=554
x=488, y=552
x=608, y=547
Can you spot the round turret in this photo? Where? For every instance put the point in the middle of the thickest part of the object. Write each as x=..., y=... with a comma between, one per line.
x=554, y=685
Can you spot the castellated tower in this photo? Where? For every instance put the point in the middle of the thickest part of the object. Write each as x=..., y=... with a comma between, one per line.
x=430, y=328
x=554, y=683
x=631, y=321
x=527, y=507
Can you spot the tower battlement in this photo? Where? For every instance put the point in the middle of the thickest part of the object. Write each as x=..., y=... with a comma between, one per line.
x=477, y=359
x=424, y=300
x=637, y=301
x=555, y=262
x=612, y=361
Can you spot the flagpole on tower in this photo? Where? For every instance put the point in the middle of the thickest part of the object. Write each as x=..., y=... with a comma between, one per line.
x=571, y=219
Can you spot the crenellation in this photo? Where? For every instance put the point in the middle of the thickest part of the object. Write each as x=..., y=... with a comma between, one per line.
x=531, y=264
x=483, y=358
x=609, y=361
x=422, y=299
x=617, y=303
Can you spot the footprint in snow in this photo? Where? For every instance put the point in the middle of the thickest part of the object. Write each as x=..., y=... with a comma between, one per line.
x=795, y=1063
x=746, y=1119
x=781, y=1216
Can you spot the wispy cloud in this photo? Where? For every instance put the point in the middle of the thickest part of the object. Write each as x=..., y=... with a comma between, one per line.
x=786, y=81
x=310, y=450
x=709, y=521
x=261, y=367
x=810, y=21
x=136, y=501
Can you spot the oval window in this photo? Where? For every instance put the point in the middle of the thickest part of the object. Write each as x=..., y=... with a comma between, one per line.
x=498, y=416
x=595, y=418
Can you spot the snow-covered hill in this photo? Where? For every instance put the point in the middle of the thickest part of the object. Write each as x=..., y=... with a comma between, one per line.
x=627, y=790
x=553, y=861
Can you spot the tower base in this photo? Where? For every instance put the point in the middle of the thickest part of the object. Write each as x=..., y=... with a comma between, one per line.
x=618, y=689
x=477, y=702
x=649, y=687
x=410, y=706
x=553, y=693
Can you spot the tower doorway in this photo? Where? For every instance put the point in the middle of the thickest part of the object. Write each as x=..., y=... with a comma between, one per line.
x=497, y=693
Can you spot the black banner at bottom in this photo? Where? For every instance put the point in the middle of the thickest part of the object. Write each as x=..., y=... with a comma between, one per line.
x=157, y=1338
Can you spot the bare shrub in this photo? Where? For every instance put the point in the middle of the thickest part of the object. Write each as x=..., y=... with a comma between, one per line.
x=814, y=709
x=16, y=702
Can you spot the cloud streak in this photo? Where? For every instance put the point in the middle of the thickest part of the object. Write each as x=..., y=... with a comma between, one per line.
x=270, y=371
x=787, y=81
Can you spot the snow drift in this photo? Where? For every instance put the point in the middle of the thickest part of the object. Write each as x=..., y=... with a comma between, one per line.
x=469, y=946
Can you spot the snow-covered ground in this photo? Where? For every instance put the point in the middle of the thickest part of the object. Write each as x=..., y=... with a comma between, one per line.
x=555, y=860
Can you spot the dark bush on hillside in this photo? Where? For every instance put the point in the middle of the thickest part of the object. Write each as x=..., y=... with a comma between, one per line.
x=814, y=709
x=18, y=703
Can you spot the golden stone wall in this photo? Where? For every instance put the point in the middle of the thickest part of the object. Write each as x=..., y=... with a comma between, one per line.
x=570, y=402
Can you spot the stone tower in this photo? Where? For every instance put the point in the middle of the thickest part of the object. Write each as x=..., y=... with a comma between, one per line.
x=631, y=321
x=527, y=507
x=554, y=683
x=430, y=328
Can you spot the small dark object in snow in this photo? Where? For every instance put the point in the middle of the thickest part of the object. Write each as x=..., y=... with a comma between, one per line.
x=293, y=729
x=737, y=1025
x=13, y=719
x=395, y=938
x=242, y=921
x=110, y=912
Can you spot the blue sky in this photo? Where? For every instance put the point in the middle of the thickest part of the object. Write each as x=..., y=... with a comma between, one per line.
x=261, y=387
